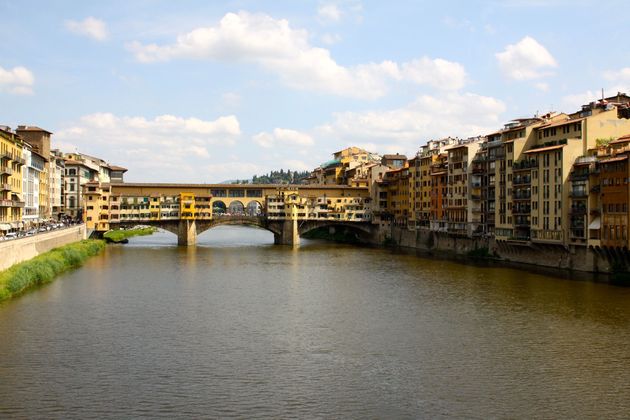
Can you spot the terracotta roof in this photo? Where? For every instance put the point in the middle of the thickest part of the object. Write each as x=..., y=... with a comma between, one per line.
x=545, y=149
x=31, y=128
x=615, y=159
x=622, y=139
x=560, y=123
x=396, y=156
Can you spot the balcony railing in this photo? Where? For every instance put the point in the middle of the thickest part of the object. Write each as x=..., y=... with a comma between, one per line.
x=579, y=176
x=524, y=164
x=5, y=187
x=17, y=203
x=586, y=159
x=6, y=203
x=522, y=195
x=520, y=180
x=6, y=170
x=578, y=193
x=578, y=210
x=521, y=210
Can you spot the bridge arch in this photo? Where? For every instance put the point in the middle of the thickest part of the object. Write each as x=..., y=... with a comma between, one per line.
x=218, y=207
x=253, y=208
x=236, y=208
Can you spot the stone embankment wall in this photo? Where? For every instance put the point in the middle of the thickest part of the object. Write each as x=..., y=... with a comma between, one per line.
x=18, y=250
x=578, y=258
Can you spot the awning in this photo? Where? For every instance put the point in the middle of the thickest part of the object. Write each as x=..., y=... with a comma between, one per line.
x=5, y=226
x=595, y=224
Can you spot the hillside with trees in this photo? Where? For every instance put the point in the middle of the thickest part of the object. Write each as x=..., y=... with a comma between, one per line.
x=277, y=177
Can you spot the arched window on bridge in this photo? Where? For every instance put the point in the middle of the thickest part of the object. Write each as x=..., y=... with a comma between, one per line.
x=218, y=208
x=236, y=208
x=254, y=208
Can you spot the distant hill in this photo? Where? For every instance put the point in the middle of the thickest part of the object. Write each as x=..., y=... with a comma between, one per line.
x=275, y=177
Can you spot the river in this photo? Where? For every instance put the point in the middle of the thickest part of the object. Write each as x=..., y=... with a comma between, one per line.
x=239, y=327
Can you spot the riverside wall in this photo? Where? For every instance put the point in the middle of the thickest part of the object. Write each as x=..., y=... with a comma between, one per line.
x=571, y=258
x=22, y=249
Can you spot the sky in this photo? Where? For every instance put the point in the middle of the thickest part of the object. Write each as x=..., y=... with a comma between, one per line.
x=198, y=91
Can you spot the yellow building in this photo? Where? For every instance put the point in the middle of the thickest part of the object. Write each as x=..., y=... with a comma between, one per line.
x=11, y=163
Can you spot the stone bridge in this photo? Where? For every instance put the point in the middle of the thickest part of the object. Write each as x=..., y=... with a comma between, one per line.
x=285, y=232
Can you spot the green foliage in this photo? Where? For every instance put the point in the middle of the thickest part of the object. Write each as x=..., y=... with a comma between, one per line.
x=603, y=142
x=280, y=177
x=45, y=267
x=120, y=235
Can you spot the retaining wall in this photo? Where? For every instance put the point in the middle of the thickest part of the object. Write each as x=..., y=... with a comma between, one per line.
x=577, y=258
x=18, y=250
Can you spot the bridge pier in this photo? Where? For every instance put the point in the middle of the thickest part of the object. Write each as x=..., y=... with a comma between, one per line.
x=288, y=235
x=187, y=233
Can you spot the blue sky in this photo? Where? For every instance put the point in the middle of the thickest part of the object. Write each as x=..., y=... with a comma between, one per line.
x=198, y=91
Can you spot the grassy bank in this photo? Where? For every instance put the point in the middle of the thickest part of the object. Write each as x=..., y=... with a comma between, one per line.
x=45, y=267
x=117, y=236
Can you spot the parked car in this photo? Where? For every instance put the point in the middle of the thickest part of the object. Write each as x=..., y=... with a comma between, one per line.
x=11, y=235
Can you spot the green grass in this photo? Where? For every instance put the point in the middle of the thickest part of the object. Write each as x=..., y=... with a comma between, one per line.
x=121, y=235
x=45, y=267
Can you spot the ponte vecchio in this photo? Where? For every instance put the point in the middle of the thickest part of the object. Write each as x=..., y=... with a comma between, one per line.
x=190, y=209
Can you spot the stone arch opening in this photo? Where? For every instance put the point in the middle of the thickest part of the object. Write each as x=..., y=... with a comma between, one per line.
x=254, y=208
x=236, y=208
x=218, y=207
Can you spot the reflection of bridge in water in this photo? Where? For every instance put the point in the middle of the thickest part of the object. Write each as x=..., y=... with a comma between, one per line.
x=187, y=210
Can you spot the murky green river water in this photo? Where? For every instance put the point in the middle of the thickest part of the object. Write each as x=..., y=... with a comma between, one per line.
x=238, y=327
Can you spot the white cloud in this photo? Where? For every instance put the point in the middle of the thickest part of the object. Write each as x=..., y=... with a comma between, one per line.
x=166, y=148
x=542, y=86
x=90, y=27
x=284, y=137
x=526, y=60
x=329, y=12
x=330, y=39
x=407, y=128
x=18, y=80
x=439, y=73
x=275, y=46
x=620, y=80
x=231, y=99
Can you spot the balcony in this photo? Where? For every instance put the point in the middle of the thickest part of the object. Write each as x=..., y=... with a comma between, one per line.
x=522, y=210
x=521, y=180
x=578, y=210
x=522, y=195
x=5, y=187
x=578, y=193
x=16, y=203
x=6, y=170
x=579, y=176
x=19, y=161
x=6, y=203
x=522, y=222
x=524, y=164
x=6, y=156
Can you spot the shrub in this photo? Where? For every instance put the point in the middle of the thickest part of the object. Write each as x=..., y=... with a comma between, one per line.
x=45, y=267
